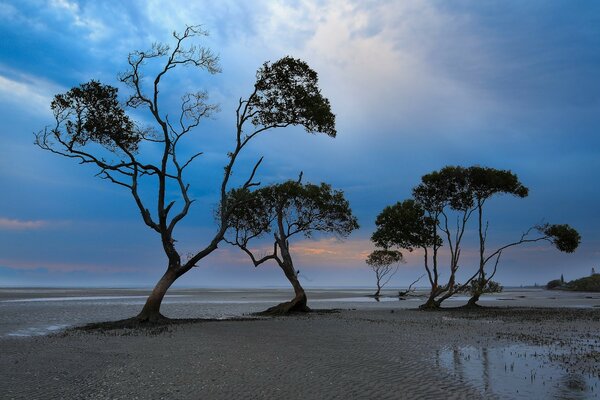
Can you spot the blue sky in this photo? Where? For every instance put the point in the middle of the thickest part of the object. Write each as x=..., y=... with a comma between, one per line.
x=415, y=85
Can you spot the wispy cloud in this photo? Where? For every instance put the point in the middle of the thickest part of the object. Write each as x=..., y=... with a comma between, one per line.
x=96, y=29
x=29, y=93
x=20, y=225
x=65, y=266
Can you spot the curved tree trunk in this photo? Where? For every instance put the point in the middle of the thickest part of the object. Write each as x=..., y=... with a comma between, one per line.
x=472, y=303
x=298, y=303
x=151, y=310
x=431, y=303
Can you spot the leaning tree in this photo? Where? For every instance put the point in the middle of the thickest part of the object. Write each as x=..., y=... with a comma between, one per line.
x=92, y=127
x=561, y=236
x=286, y=210
x=482, y=184
x=384, y=264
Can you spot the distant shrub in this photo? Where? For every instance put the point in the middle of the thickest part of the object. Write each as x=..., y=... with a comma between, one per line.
x=554, y=284
x=587, y=284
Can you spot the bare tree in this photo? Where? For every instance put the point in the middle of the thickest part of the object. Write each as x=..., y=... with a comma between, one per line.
x=92, y=128
x=385, y=265
x=411, y=287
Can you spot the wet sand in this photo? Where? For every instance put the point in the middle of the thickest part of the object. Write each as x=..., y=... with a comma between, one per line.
x=383, y=353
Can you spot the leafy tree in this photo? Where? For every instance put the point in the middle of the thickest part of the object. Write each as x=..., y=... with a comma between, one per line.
x=385, y=265
x=407, y=225
x=92, y=127
x=447, y=196
x=287, y=209
x=443, y=204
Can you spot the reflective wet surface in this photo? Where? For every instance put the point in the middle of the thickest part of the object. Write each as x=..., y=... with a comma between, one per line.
x=523, y=371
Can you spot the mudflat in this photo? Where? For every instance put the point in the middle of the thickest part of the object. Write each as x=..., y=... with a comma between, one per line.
x=385, y=353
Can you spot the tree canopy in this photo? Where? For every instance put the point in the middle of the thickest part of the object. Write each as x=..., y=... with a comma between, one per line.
x=404, y=225
x=287, y=92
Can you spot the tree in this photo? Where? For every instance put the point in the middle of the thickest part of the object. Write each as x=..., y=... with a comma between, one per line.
x=455, y=193
x=287, y=209
x=407, y=225
x=385, y=265
x=563, y=237
x=92, y=127
x=447, y=195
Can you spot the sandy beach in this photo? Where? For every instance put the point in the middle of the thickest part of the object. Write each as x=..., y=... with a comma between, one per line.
x=386, y=352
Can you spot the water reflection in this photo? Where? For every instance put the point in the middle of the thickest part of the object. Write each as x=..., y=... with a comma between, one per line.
x=519, y=371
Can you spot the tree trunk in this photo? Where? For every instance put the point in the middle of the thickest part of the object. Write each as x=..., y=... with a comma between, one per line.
x=151, y=310
x=472, y=303
x=430, y=304
x=298, y=303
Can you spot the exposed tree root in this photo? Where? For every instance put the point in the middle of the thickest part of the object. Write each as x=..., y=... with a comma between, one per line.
x=430, y=306
x=288, y=307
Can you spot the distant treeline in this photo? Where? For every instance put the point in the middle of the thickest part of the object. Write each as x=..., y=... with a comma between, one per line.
x=586, y=284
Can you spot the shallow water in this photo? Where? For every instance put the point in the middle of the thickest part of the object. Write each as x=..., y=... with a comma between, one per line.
x=520, y=371
x=38, y=311
x=33, y=312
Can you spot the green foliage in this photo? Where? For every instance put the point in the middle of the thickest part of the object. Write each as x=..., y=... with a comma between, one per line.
x=91, y=112
x=459, y=187
x=287, y=93
x=485, y=182
x=384, y=258
x=563, y=237
x=554, y=284
x=404, y=225
x=586, y=284
x=301, y=208
x=447, y=187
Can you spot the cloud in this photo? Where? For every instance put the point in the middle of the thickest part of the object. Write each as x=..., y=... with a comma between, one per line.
x=64, y=266
x=19, y=225
x=96, y=29
x=30, y=94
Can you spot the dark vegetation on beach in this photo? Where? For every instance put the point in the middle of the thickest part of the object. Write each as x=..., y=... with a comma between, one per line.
x=93, y=128
x=586, y=284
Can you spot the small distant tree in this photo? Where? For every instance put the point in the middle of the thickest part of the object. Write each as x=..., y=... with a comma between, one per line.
x=385, y=265
x=92, y=127
x=286, y=210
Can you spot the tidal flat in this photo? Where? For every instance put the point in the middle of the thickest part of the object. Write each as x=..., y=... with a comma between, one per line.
x=526, y=343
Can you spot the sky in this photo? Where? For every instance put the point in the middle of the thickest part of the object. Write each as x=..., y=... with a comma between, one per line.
x=415, y=86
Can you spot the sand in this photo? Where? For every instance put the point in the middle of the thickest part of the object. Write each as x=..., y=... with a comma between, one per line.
x=354, y=354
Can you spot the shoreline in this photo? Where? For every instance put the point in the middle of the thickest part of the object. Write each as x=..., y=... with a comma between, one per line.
x=382, y=353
